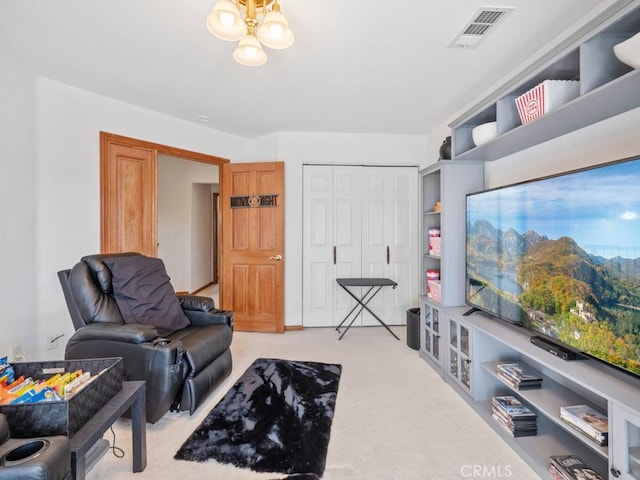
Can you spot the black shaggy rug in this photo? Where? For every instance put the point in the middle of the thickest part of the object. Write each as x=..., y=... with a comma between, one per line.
x=276, y=418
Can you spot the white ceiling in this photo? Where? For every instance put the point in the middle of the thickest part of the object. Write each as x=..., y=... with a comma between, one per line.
x=355, y=67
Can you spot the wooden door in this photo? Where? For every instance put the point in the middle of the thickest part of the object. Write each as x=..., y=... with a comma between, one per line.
x=128, y=198
x=252, y=233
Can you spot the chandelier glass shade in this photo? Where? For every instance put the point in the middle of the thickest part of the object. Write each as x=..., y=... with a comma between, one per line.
x=227, y=23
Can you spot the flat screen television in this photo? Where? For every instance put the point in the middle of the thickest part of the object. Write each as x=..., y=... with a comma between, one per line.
x=560, y=256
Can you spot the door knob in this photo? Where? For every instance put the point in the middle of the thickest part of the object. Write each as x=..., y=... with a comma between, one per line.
x=277, y=258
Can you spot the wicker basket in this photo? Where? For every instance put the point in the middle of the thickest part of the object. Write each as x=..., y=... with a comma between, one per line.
x=30, y=420
x=413, y=328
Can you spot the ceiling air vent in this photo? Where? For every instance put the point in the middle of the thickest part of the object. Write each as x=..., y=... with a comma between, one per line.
x=482, y=23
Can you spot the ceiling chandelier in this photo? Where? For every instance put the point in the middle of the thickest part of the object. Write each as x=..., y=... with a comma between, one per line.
x=226, y=23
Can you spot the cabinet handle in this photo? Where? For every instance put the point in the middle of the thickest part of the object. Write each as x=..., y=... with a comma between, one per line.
x=388, y=254
x=334, y=254
x=615, y=472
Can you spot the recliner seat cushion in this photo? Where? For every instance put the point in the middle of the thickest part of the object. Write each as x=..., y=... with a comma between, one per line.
x=204, y=344
x=144, y=293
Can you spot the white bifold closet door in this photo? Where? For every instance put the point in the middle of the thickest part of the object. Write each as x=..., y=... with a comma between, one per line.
x=359, y=221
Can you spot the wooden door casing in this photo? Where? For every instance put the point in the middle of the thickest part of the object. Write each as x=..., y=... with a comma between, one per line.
x=252, y=263
x=128, y=191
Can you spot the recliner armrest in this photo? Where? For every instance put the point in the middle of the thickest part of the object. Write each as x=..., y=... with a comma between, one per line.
x=125, y=333
x=202, y=311
x=196, y=302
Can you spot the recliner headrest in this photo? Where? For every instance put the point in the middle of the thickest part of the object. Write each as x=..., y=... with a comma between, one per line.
x=100, y=270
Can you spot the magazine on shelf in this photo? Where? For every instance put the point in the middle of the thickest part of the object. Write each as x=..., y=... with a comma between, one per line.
x=518, y=372
x=588, y=421
x=513, y=407
x=570, y=467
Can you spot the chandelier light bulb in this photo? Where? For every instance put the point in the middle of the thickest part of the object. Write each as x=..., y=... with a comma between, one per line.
x=249, y=52
x=274, y=31
x=225, y=22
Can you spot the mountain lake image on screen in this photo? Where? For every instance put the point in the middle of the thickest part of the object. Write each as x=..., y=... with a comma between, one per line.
x=561, y=256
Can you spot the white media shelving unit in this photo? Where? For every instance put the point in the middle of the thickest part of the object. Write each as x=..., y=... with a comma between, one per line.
x=447, y=182
x=466, y=349
x=585, y=381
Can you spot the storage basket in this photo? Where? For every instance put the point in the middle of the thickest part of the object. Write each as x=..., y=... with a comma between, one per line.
x=545, y=97
x=413, y=328
x=65, y=417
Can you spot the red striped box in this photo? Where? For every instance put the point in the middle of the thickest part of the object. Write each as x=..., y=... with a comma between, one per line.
x=545, y=97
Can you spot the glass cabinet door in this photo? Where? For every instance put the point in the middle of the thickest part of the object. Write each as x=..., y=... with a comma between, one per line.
x=624, y=434
x=459, y=353
x=454, y=363
x=464, y=340
x=427, y=329
x=430, y=334
x=436, y=334
x=633, y=450
x=453, y=348
x=453, y=333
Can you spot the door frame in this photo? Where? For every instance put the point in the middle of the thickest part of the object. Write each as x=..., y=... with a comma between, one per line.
x=107, y=139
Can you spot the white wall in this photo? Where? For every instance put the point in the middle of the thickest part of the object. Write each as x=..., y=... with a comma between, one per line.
x=179, y=237
x=18, y=227
x=201, y=261
x=51, y=190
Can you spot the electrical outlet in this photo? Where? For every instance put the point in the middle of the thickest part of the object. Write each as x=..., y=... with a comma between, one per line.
x=52, y=341
x=15, y=355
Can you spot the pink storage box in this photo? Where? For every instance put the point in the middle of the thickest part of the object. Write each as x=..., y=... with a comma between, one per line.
x=434, y=246
x=545, y=97
x=433, y=291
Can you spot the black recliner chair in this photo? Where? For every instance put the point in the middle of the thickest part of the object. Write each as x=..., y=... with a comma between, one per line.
x=181, y=365
x=44, y=458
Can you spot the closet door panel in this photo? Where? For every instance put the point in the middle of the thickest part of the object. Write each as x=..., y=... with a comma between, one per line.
x=390, y=216
x=317, y=270
x=347, y=234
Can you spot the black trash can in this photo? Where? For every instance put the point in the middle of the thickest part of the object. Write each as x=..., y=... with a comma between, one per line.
x=413, y=328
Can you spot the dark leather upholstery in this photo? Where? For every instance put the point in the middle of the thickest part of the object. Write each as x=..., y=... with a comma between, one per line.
x=180, y=369
x=18, y=458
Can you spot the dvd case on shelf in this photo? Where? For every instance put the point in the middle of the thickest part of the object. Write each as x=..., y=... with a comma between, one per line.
x=513, y=416
x=570, y=467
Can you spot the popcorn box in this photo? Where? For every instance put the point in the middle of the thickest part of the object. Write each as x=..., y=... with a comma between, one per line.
x=433, y=275
x=434, y=246
x=545, y=97
x=433, y=290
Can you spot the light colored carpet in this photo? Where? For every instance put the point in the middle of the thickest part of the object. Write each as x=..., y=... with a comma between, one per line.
x=395, y=418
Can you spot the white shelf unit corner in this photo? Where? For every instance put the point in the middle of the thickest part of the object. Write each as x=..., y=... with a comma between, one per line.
x=608, y=88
